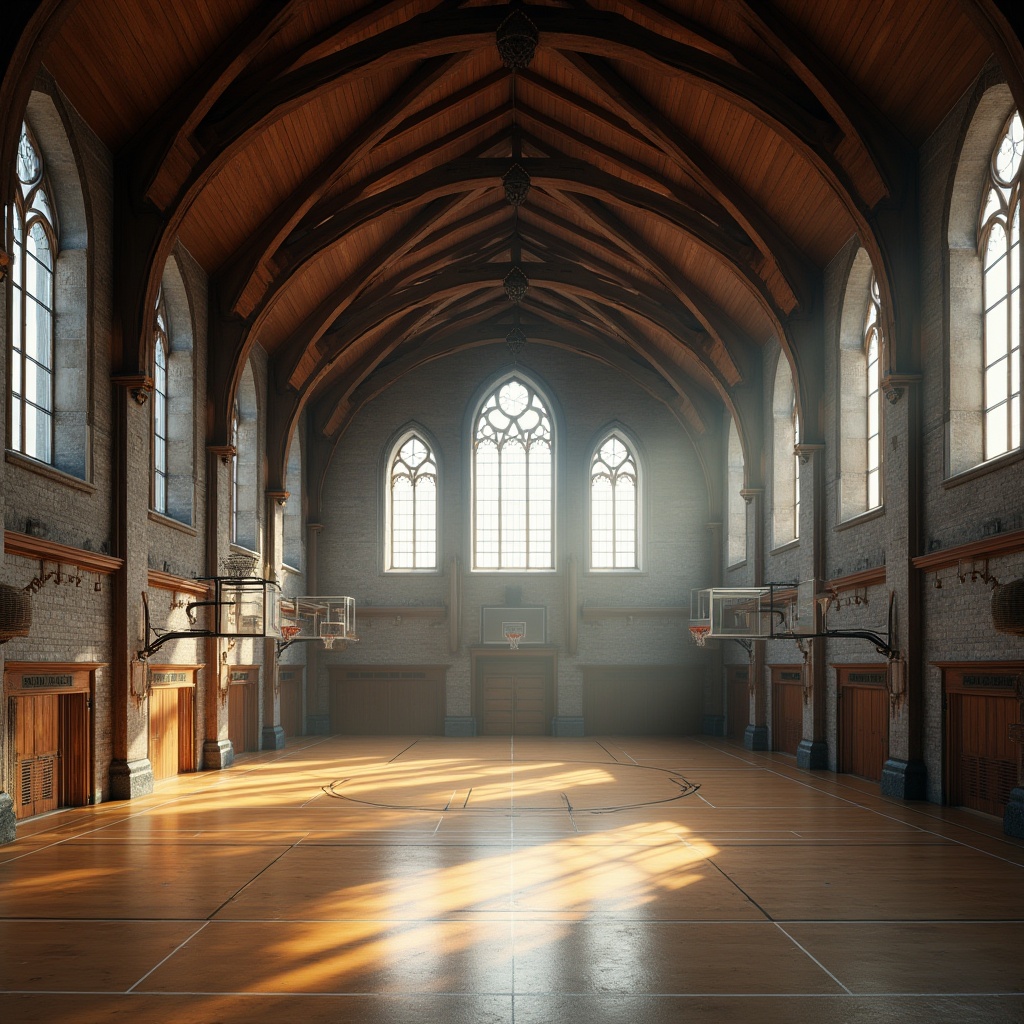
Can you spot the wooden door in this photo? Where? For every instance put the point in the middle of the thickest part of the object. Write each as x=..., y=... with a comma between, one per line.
x=37, y=747
x=291, y=703
x=387, y=700
x=163, y=731
x=242, y=717
x=787, y=708
x=863, y=721
x=514, y=703
x=75, y=748
x=739, y=702
x=981, y=759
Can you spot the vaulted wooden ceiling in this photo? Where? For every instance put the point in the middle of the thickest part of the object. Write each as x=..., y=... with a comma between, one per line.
x=336, y=167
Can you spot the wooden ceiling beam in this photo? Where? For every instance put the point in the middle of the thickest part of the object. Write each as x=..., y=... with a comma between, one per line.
x=860, y=120
x=776, y=248
x=243, y=269
x=338, y=217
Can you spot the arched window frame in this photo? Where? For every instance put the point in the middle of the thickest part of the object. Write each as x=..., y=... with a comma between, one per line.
x=512, y=532
x=33, y=356
x=412, y=542
x=873, y=402
x=735, y=505
x=161, y=355
x=291, y=525
x=785, y=464
x=999, y=250
x=615, y=519
x=246, y=481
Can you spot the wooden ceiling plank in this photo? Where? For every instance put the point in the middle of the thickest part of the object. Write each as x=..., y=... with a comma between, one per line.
x=256, y=250
x=800, y=275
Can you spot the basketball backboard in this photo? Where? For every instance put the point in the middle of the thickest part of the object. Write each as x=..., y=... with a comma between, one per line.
x=327, y=619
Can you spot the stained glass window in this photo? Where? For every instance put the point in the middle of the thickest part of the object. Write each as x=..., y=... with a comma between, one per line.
x=513, y=480
x=613, y=506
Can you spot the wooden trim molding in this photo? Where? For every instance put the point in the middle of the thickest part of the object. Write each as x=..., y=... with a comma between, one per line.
x=49, y=551
x=988, y=547
x=852, y=581
x=166, y=581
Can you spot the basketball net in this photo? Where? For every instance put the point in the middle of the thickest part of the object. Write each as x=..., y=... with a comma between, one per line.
x=700, y=634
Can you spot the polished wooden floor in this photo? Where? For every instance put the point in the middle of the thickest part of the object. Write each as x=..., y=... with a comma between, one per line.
x=541, y=881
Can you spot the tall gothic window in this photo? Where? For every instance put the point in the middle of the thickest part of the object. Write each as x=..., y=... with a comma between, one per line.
x=795, y=418
x=32, y=321
x=236, y=496
x=412, y=506
x=513, y=480
x=614, y=504
x=999, y=248
x=872, y=347
x=160, y=350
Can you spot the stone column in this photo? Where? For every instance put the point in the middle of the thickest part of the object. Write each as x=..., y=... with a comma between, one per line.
x=813, y=749
x=904, y=773
x=131, y=773
x=272, y=737
x=318, y=711
x=756, y=735
x=217, y=749
x=714, y=687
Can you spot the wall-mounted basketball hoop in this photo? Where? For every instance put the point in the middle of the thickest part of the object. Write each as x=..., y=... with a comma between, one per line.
x=773, y=612
x=327, y=620
x=513, y=632
x=243, y=606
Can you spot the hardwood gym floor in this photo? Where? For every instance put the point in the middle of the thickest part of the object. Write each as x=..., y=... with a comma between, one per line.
x=398, y=880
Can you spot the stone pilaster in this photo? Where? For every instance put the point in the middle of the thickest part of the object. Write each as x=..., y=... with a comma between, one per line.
x=217, y=749
x=272, y=737
x=131, y=773
x=812, y=751
x=904, y=773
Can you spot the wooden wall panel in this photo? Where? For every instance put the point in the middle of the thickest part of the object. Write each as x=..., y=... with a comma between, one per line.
x=863, y=722
x=638, y=701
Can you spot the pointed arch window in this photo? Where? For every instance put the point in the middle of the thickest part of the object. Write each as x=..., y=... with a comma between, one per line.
x=412, y=506
x=795, y=420
x=614, y=505
x=872, y=352
x=1000, y=252
x=513, y=480
x=32, y=316
x=160, y=352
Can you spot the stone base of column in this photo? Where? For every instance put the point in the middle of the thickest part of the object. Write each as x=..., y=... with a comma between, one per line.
x=217, y=754
x=1013, y=816
x=812, y=754
x=756, y=737
x=272, y=738
x=713, y=725
x=318, y=725
x=130, y=779
x=905, y=780
x=567, y=725
x=459, y=725
x=7, y=819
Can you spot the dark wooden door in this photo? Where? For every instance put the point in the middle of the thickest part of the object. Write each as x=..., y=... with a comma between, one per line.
x=982, y=757
x=37, y=747
x=863, y=724
x=787, y=708
x=242, y=717
x=163, y=731
x=291, y=706
x=387, y=701
x=75, y=747
x=514, y=704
